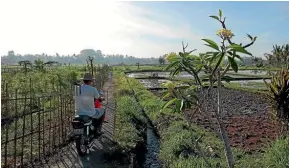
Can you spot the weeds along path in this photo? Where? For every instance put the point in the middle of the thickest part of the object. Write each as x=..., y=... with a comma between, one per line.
x=152, y=139
x=68, y=157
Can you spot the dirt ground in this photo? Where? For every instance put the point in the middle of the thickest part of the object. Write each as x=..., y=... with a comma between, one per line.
x=246, y=117
x=249, y=132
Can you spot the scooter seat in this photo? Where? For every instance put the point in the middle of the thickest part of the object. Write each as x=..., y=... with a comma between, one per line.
x=83, y=118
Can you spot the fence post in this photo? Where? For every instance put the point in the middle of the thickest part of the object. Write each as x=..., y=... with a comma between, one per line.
x=39, y=130
x=6, y=126
x=31, y=120
x=23, y=129
x=15, y=129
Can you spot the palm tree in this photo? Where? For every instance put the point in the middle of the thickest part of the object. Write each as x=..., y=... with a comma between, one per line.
x=279, y=56
x=270, y=58
x=277, y=52
x=25, y=65
x=286, y=53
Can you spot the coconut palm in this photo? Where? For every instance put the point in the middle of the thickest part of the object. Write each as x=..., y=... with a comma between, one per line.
x=279, y=55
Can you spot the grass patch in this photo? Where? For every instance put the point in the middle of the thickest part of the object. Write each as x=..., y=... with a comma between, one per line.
x=255, y=87
x=177, y=140
x=248, y=75
x=258, y=68
x=130, y=126
x=177, y=137
x=278, y=154
x=127, y=117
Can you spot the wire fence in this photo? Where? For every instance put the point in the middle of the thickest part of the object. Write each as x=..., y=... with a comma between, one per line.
x=35, y=126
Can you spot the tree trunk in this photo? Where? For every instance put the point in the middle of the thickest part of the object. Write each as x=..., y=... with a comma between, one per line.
x=229, y=153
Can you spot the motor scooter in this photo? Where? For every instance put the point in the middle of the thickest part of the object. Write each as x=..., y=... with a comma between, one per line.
x=85, y=128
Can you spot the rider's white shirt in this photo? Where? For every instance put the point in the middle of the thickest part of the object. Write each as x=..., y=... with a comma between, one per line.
x=84, y=100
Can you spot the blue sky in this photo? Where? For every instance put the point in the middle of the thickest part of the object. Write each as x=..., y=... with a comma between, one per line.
x=255, y=17
x=269, y=21
x=142, y=29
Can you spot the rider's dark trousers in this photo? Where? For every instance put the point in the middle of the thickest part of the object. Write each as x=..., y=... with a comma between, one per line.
x=98, y=122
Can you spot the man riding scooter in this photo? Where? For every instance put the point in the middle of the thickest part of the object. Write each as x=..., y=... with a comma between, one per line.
x=85, y=105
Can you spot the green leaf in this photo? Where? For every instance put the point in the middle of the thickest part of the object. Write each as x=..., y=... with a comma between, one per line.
x=235, y=55
x=173, y=58
x=215, y=55
x=166, y=95
x=169, y=103
x=239, y=57
x=238, y=48
x=212, y=44
x=227, y=78
x=178, y=105
x=192, y=57
x=233, y=64
x=215, y=17
x=230, y=53
x=251, y=38
x=220, y=13
x=175, y=72
x=193, y=96
x=171, y=65
x=209, y=45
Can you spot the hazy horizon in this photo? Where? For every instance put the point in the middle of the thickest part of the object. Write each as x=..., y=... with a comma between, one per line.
x=140, y=29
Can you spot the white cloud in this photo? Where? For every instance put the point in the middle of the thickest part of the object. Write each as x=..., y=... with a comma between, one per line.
x=67, y=26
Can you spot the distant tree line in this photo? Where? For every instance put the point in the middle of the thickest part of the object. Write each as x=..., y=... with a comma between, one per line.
x=98, y=57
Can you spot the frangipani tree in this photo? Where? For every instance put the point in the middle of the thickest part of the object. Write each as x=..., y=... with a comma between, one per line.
x=210, y=62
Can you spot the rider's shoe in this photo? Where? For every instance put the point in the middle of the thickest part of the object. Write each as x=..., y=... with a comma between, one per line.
x=99, y=132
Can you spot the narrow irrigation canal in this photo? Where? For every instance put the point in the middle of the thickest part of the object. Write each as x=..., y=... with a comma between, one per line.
x=153, y=147
x=152, y=142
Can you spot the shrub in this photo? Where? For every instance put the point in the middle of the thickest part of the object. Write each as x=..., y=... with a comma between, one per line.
x=279, y=92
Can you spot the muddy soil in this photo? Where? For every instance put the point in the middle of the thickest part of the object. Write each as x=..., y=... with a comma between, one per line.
x=249, y=132
x=246, y=116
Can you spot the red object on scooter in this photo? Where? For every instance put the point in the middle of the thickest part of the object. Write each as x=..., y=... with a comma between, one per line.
x=97, y=104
